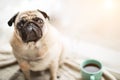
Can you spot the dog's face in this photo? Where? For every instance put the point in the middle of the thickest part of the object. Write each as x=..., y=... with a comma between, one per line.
x=29, y=25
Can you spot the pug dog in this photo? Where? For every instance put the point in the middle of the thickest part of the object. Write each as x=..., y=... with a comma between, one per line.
x=36, y=44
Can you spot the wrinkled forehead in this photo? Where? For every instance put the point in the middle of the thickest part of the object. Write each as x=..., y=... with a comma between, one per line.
x=30, y=15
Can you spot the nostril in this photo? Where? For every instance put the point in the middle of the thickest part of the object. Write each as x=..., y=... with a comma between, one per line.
x=30, y=26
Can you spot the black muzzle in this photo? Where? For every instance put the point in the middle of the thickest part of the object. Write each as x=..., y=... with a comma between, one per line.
x=31, y=32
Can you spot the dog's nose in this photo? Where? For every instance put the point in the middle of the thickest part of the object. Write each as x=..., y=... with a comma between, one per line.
x=30, y=26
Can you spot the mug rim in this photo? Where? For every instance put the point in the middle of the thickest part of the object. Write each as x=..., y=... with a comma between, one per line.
x=82, y=69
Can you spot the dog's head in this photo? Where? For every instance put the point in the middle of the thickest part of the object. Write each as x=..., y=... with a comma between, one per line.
x=29, y=24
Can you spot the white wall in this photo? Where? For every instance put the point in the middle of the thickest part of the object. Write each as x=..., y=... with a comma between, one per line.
x=96, y=21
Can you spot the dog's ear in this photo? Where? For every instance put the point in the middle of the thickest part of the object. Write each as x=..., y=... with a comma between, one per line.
x=44, y=14
x=10, y=22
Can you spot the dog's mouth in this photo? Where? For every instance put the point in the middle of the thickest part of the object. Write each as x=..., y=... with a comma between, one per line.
x=30, y=32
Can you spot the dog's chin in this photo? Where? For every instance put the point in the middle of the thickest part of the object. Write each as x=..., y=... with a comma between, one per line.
x=31, y=36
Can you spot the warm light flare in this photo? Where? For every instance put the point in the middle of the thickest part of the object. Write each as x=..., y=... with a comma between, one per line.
x=108, y=4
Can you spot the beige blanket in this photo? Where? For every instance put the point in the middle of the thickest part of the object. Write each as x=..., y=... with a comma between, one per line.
x=6, y=58
x=69, y=71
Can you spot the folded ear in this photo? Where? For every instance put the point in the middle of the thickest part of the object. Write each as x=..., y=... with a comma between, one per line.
x=10, y=22
x=44, y=14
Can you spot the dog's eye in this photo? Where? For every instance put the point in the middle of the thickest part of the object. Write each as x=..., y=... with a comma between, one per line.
x=21, y=24
x=39, y=20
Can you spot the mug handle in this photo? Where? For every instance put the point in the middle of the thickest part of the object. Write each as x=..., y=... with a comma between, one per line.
x=92, y=77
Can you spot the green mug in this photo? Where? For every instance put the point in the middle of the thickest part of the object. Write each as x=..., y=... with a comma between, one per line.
x=91, y=69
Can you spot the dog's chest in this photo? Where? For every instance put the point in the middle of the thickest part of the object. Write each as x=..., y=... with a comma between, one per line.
x=40, y=64
x=26, y=52
x=30, y=53
x=37, y=65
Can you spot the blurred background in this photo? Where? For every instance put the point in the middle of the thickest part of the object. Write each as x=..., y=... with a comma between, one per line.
x=94, y=24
